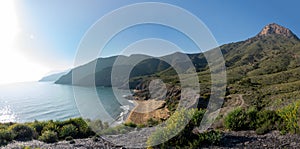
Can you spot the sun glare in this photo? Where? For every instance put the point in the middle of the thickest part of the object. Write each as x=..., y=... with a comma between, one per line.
x=14, y=67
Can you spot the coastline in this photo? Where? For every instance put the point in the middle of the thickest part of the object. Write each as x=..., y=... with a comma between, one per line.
x=124, y=115
x=129, y=113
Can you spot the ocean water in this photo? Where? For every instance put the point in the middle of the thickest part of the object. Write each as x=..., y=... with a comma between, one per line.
x=25, y=102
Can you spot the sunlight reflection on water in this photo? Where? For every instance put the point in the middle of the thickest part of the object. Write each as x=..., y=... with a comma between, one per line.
x=7, y=115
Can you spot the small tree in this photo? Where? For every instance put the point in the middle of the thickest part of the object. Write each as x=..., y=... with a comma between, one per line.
x=49, y=137
x=22, y=132
x=68, y=130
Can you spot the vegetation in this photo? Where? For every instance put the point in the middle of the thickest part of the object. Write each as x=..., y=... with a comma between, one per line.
x=47, y=131
x=68, y=131
x=176, y=134
x=291, y=118
x=265, y=70
x=21, y=132
x=49, y=136
x=5, y=136
x=286, y=119
x=252, y=119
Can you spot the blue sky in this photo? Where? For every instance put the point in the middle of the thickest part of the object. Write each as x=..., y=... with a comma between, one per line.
x=50, y=30
x=62, y=23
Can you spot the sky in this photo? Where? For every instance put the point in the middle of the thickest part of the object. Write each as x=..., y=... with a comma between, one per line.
x=39, y=37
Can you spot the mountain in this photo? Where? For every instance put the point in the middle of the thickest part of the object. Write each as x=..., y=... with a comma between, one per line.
x=52, y=77
x=265, y=69
x=103, y=70
x=273, y=29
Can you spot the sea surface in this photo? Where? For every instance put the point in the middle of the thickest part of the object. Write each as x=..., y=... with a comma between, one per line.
x=25, y=102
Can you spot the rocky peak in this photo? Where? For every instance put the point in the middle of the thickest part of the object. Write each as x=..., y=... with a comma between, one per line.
x=273, y=28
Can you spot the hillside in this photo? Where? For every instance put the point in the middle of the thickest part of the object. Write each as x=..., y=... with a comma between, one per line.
x=52, y=77
x=263, y=68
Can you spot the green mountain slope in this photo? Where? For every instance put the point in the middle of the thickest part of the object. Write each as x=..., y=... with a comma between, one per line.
x=263, y=68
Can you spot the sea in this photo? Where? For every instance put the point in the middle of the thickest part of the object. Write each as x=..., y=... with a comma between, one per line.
x=29, y=101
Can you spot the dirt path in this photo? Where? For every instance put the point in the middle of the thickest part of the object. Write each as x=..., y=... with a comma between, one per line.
x=235, y=101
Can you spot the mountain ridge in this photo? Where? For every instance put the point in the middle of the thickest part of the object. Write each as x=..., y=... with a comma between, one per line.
x=275, y=29
x=271, y=51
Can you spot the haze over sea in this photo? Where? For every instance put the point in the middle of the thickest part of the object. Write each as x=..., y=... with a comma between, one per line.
x=23, y=102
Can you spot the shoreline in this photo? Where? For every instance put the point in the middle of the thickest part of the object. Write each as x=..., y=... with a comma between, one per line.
x=129, y=113
x=124, y=115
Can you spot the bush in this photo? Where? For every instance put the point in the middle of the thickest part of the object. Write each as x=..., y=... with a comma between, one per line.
x=250, y=122
x=5, y=136
x=152, y=122
x=49, y=137
x=68, y=130
x=209, y=137
x=51, y=126
x=130, y=124
x=37, y=126
x=241, y=119
x=186, y=138
x=290, y=116
x=262, y=121
x=116, y=130
x=266, y=121
x=266, y=127
x=235, y=120
x=174, y=125
x=83, y=129
x=22, y=132
x=97, y=125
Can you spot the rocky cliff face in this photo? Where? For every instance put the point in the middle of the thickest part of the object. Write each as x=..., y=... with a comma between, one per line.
x=273, y=29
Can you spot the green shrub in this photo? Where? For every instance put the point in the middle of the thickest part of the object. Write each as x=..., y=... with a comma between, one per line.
x=235, y=120
x=152, y=122
x=266, y=127
x=266, y=121
x=97, y=125
x=290, y=116
x=49, y=136
x=141, y=126
x=105, y=125
x=184, y=138
x=22, y=132
x=38, y=126
x=4, y=126
x=130, y=124
x=116, y=130
x=250, y=122
x=68, y=130
x=262, y=121
x=51, y=126
x=207, y=138
x=174, y=125
x=5, y=136
x=83, y=128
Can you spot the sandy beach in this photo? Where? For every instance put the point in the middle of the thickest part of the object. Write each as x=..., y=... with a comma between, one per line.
x=146, y=109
